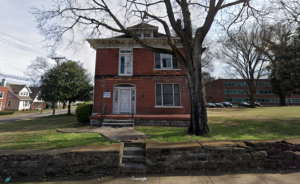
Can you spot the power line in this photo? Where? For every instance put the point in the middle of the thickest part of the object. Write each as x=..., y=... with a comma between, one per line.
x=15, y=77
x=21, y=40
x=20, y=46
x=12, y=62
x=12, y=68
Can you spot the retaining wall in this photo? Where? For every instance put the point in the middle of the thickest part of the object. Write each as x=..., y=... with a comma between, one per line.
x=222, y=156
x=102, y=160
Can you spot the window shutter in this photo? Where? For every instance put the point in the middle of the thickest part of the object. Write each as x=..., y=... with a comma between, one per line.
x=175, y=63
x=157, y=60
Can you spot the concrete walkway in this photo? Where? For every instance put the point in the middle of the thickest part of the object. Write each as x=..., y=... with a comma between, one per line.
x=36, y=114
x=113, y=134
x=210, y=178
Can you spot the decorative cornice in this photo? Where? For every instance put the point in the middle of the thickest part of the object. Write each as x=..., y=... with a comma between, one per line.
x=130, y=43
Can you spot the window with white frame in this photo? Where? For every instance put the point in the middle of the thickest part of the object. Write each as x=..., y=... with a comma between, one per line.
x=167, y=95
x=0, y=106
x=25, y=103
x=165, y=61
x=125, y=62
x=1, y=95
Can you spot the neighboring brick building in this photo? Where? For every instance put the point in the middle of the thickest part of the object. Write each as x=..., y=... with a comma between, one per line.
x=233, y=90
x=3, y=94
x=130, y=79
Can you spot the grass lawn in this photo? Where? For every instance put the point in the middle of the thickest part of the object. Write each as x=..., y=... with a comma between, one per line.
x=40, y=133
x=237, y=124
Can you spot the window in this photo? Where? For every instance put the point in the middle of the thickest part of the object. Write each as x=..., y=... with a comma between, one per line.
x=0, y=106
x=1, y=95
x=147, y=35
x=8, y=104
x=138, y=35
x=165, y=61
x=167, y=95
x=125, y=63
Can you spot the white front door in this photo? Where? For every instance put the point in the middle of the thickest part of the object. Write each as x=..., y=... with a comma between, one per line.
x=125, y=100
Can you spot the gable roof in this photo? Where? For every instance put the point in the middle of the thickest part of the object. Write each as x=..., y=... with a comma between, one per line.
x=16, y=88
x=35, y=91
x=143, y=26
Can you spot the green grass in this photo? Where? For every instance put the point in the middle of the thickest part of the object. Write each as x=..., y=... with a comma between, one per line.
x=40, y=133
x=237, y=124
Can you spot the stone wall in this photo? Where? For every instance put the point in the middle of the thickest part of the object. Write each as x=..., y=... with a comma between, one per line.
x=170, y=123
x=222, y=156
x=102, y=160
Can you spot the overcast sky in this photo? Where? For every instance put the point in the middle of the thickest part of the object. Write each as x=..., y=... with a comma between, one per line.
x=20, y=41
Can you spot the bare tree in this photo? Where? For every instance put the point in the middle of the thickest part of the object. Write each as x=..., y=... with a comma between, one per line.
x=276, y=38
x=95, y=16
x=286, y=10
x=36, y=69
x=244, y=60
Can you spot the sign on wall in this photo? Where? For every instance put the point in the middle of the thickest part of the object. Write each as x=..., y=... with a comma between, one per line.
x=106, y=95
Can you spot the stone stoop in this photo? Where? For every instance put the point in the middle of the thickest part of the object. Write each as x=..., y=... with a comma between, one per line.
x=134, y=159
x=114, y=123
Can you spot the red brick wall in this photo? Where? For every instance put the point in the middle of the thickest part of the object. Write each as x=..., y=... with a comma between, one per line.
x=144, y=78
x=216, y=88
x=3, y=101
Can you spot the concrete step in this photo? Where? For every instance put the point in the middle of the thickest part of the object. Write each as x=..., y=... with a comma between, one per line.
x=117, y=121
x=134, y=144
x=117, y=124
x=134, y=151
x=134, y=159
x=133, y=168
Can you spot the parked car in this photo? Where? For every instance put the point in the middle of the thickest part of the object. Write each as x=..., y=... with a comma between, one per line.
x=257, y=104
x=226, y=104
x=210, y=105
x=219, y=105
x=244, y=104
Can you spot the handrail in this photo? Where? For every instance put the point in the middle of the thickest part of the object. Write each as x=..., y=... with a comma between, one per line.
x=132, y=111
x=103, y=113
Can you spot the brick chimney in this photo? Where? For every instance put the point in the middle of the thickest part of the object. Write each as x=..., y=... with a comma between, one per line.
x=178, y=22
x=3, y=82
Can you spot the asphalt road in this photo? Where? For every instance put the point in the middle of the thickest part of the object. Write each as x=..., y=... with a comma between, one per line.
x=37, y=114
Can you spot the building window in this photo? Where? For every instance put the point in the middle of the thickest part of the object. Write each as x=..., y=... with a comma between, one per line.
x=8, y=104
x=147, y=35
x=1, y=95
x=125, y=62
x=0, y=106
x=167, y=95
x=165, y=61
x=138, y=35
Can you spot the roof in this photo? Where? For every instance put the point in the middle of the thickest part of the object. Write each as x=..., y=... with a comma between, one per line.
x=35, y=91
x=142, y=26
x=16, y=88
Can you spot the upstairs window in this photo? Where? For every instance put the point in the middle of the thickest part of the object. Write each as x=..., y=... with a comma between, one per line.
x=1, y=95
x=125, y=62
x=165, y=61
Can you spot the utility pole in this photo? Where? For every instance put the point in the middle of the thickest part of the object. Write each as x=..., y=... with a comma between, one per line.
x=57, y=59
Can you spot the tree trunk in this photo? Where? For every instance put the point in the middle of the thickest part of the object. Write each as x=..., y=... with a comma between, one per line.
x=69, y=108
x=282, y=99
x=53, y=107
x=64, y=105
x=198, y=121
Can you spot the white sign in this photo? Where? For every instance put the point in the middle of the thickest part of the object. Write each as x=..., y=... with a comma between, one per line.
x=106, y=95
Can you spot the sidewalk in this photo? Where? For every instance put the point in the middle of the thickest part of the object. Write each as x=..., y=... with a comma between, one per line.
x=289, y=177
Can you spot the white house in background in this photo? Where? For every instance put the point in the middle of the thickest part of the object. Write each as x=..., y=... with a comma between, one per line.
x=18, y=97
x=36, y=103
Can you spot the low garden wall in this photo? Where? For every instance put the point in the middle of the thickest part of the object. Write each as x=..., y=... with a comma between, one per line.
x=169, y=123
x=222, y=156
x=102, y=160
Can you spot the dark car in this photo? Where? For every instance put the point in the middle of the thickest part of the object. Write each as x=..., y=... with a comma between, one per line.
x=244, y=104
x=219, y=105
x=226, y=104
x=210, y=105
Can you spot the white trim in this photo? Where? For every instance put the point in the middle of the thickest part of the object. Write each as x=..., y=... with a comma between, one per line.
x=125, y=59
x=2, y=95
x=170, y=107
x=118, y=89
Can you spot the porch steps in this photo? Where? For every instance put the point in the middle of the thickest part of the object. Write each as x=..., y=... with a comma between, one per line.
x=117, y=123
x=134, y=159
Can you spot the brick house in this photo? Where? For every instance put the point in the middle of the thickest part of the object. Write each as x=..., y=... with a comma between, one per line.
x=132, y=80
x=233, y=91
x=3, y=94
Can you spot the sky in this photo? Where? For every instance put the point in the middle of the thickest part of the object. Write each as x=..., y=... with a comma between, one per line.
x=21, y=43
